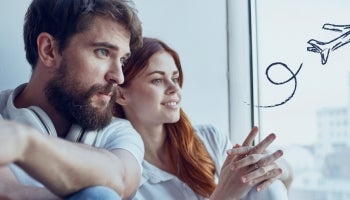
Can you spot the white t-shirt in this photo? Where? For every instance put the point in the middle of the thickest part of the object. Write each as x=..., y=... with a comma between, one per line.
x=158, y=184
x=119, y=134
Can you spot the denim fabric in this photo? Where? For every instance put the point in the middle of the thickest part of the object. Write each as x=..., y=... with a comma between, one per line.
x=95, y=193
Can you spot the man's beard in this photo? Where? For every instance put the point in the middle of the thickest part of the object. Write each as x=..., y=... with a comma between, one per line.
x=74, y=102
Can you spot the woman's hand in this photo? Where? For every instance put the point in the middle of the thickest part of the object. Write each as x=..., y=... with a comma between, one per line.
x=230, y=185
x=261, y=168
x=267, y=168
x=245, y=167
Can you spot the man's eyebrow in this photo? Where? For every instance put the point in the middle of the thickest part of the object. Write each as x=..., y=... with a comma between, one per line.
x=105, y=44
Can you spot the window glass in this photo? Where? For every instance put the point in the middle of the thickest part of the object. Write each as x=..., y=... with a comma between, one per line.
x=302, y=66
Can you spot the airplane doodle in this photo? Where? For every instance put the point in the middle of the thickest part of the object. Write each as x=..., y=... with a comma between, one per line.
x=324, y=48
x=293, y=77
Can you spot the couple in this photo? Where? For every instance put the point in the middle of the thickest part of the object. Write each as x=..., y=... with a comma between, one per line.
x=59, y=140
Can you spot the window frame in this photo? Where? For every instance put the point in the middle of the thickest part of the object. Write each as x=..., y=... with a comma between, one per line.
x=242, y=77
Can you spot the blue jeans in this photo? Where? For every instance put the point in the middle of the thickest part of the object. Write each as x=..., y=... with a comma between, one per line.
x=95, y=193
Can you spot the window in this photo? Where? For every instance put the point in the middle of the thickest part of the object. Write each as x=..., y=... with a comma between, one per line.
x=301, y=80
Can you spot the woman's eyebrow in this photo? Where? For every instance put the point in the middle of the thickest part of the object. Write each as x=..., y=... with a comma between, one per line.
x=155, y=72
x=161, y=72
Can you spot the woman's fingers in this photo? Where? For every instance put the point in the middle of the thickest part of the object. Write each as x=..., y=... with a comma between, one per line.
x=264, y=169
x=260, y=174
x=248, y=142
x=251, y=136
x=258, y=160
x=267, y=160
x=262, y=146
x=246, y=161
x=244, y=150
x=258, y=149
x=230, y=157
x=269, y=179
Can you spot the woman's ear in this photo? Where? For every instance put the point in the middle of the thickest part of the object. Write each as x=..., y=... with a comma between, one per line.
x=47, y=49
x=121, y=96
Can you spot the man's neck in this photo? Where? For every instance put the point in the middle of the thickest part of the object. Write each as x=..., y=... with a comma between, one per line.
x=36, y=97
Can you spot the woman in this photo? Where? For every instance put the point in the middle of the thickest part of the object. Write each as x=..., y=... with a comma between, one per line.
x=182, y=161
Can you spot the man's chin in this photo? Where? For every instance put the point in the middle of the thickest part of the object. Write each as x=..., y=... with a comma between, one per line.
x=96, y=117
x=98, y=123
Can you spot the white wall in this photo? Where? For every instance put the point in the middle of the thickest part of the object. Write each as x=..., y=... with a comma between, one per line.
x=195, y=28
x=14, y=68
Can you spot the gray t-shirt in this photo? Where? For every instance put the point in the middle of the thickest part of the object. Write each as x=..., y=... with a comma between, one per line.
x=119, y=134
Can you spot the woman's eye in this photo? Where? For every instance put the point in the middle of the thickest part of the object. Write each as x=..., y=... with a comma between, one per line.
x=156, y=81
x=123, y=61
x=176, y=79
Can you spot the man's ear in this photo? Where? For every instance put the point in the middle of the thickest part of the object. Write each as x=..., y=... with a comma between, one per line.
x=121, y=96
x=47, y=49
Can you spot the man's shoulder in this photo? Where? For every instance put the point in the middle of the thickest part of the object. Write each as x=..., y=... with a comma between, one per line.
x=120, y=134
x=118, y=123
x=118, y=127
x=4, y=95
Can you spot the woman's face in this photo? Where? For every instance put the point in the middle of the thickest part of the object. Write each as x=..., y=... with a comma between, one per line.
x=154, y=95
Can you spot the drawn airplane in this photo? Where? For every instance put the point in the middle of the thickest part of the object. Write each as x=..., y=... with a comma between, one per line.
x=324, y=48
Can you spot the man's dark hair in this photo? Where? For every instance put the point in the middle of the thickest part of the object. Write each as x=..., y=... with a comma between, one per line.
x=65, y=18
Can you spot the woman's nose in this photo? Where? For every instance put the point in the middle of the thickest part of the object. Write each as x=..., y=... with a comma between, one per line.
x=172, y=87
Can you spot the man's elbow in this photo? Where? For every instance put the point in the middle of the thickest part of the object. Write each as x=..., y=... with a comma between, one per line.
x=129, y=183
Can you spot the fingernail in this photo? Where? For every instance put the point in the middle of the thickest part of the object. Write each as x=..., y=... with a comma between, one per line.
x=280, y=152
x=273, y=135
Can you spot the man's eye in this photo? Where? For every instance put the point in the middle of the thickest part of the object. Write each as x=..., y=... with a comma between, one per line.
x=102, y=52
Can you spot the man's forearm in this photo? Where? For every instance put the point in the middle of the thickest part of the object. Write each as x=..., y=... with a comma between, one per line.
x=65, y=167
x=28, y=193
x=11, y=189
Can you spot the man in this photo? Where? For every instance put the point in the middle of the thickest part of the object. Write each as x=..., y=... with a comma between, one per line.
x=76, y=49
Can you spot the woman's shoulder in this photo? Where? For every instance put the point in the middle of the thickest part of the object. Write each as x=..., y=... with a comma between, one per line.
x=216, y=143
x=211, y=136
x=208, y=131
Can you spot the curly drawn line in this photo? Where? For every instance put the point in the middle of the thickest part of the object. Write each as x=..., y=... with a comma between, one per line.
x=324, y=48
x=293, y=77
